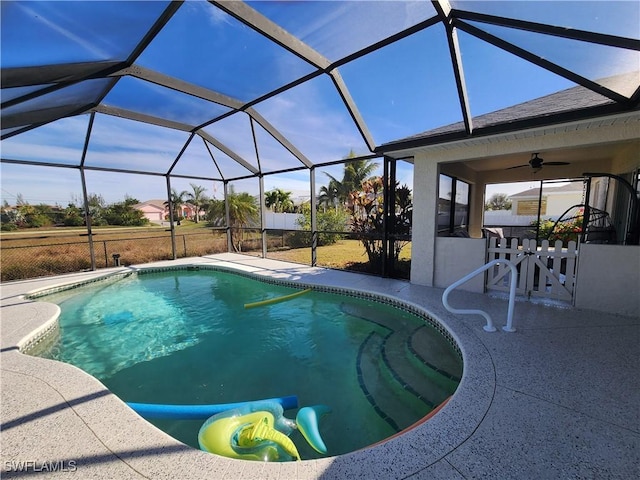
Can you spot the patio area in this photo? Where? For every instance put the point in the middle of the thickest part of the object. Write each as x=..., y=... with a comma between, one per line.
x=559, y=398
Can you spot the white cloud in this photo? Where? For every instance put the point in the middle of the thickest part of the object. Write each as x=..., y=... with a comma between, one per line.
x=314, y=119
x=76, y=39
x=39, y=184
x=214, y=14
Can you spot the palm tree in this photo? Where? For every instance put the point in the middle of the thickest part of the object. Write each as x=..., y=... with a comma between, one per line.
x=355, y=172
x=243, y=212
x=243, y=209
x=329, y=194
x=278, y=200
x=197, y=198
x=177, y=200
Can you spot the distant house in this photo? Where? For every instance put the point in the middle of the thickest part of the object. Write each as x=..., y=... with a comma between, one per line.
x=524, y=205
x=555, y=200
x=154, y=210
x=157, y=212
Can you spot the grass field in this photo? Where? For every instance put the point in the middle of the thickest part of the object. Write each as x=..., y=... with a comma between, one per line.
x=29, y=254
x=44, y=252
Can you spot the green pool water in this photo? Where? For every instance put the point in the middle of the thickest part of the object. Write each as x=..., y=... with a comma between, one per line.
x=184, y=337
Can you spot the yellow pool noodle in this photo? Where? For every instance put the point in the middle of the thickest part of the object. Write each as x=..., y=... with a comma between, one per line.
x=277, y=299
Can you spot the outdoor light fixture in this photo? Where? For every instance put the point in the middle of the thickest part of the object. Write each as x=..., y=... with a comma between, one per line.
x=536, y=162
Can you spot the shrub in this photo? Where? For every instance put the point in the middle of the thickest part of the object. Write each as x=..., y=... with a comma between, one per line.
x=329, y=224
x=565, y=230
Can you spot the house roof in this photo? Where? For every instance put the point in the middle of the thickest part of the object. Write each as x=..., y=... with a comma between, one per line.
x=159, y=204
x=555, y=105
x=572, y=187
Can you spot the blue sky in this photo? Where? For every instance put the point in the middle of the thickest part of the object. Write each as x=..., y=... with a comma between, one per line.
x=401, y=90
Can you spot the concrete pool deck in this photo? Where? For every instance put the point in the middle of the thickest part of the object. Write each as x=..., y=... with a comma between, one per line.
x=559, y=398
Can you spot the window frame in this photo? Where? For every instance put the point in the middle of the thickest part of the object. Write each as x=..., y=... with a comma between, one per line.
x=452, y=229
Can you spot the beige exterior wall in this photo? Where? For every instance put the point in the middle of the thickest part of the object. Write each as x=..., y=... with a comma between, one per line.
x=457, y=257
x=627, y=160
x=608, y=279
x=425, y=194
x=440, y=261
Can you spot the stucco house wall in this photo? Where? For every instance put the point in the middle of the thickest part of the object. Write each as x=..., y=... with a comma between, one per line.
x=608, y=278
x=457, y=257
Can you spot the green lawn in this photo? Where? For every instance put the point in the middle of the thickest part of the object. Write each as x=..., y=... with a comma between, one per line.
x=344, y=254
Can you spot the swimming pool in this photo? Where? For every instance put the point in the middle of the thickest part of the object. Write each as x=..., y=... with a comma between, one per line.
x=184, y=336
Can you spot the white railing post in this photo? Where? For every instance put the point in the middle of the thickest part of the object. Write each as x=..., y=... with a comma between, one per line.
x=489, y=327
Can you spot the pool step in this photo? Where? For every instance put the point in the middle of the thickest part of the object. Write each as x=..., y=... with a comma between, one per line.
x=420, y=379
x=420, y=364
x=375, y=386
x=371, y=313
x=435, y=353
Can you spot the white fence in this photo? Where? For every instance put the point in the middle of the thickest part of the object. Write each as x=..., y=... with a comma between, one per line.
x=504, y=218
x=543, y=270
x=283, y=221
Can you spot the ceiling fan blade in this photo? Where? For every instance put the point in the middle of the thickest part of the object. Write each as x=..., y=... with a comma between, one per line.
x=517, y=166
x=556, y=163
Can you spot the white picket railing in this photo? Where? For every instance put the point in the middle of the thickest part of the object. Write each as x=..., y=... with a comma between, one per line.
x=543, y=270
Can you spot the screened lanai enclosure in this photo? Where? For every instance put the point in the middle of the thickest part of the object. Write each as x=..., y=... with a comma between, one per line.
x=271, y=128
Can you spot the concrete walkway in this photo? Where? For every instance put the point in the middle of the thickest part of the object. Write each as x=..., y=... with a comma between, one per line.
x=558, y=399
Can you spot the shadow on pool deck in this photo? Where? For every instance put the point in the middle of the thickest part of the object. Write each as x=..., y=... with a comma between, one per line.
x=559, y=398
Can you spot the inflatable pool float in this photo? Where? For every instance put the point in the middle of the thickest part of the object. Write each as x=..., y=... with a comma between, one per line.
x=260, y=431
x=201, y=412
x=271, y=301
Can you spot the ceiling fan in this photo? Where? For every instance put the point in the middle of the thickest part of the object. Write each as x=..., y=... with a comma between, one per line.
x=536, y=163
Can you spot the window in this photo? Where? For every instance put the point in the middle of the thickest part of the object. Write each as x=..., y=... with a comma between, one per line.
x=453, y=206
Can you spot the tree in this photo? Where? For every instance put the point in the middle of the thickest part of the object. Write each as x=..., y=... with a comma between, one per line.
x=367, y=218
x=73, y=216
x=278, y=200
x=197, y=199
x=328, y=223
x=329, y=195
x=498, y=201
x=97, y=205
x=8, y=217
x=243, y=212
x=355, y=172
x=177, y=200
x=34, y=216
x=123, y=213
